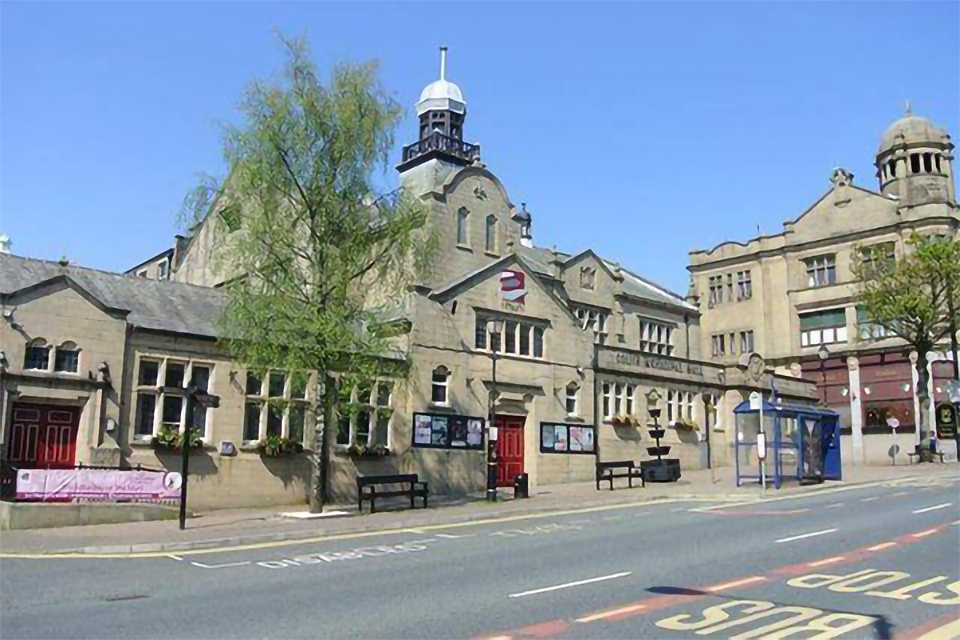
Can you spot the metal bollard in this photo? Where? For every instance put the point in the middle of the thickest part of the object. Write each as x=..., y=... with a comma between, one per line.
x=521, y=486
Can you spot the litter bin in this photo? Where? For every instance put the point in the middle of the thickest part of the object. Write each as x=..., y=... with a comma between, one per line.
x=521, y=486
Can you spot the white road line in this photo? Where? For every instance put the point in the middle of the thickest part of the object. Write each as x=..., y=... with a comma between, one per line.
x=177, y=558
x=807, y=535
x=954, y=524
x=835, y=506
x=611, y=614
x=820, y=563
x=220, y=566
x=899, y=493
x=450, y=536
x=871, y=499
x=420, y=541
x=884, y=545
x=737, y=583
x=924, y=534
x=934, y=507
x=567, y=585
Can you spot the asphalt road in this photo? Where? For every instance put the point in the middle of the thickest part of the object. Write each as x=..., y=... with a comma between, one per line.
x=872, y=562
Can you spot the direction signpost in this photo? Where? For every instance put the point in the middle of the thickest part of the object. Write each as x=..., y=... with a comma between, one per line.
x=207, y=401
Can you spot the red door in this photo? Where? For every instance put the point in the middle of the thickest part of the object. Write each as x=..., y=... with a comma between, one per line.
x=509, y=449
x=43, y=436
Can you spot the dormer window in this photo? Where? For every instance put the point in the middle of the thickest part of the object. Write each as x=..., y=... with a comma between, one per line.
x=36, y=356
x=163, y=269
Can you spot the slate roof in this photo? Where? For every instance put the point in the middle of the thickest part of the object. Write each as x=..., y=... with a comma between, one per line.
x=152, y=304
x=539, y=259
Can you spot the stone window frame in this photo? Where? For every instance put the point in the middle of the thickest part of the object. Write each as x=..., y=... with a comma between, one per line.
x=591, y=317
x=747, y=341
x=51, y=359
x=463, y=228
x=377, y=408
x=440, y=386
x=142, y=273
x=571, y=403
x=606, y=406
x=491, y=236
x=160, y=391
x=680, y=404
x=821, y=270
x=288, y=401
x=163, y=269
x=656, y=337
x=879, y=255
x=529, y=332
x=715, y=287
x=744, y=285
x=837, y=330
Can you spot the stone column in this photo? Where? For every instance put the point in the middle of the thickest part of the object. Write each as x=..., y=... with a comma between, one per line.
x=856, y=411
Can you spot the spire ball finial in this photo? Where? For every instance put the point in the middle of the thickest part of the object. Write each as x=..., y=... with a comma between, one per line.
x=443, y=63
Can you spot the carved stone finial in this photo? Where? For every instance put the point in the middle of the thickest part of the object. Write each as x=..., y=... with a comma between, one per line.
x=841, y=177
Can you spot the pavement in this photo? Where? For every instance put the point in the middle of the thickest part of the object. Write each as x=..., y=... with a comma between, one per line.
x=234, y=527
x=878, y=559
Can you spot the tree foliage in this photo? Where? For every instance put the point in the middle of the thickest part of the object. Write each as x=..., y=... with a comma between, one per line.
x=917, y=298
x=319, y=259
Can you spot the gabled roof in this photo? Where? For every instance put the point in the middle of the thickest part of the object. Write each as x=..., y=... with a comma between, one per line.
x=448, y=290
x=159, y=305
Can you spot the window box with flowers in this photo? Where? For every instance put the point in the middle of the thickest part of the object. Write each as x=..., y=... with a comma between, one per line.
x=372, y=451
x=624, y=420
x=170, y=440
x=276, y=446
x=686, y=424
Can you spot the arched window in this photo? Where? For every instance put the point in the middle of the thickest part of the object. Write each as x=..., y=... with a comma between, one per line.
x=893, y=168
x=573, y=390
x=37, y=355
x=914, y=163
x=67, y=358
x=936, y=159
x=927, y=163
x=439, y=385
x=491, y=237
x=463, y=220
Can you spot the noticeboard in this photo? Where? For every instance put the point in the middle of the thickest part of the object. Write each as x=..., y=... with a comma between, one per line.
x=567, y=438
x=447, y=431
x=946, y=421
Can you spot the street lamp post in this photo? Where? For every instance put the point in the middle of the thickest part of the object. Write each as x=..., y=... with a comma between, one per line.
x=495, y=327
x=823, y=354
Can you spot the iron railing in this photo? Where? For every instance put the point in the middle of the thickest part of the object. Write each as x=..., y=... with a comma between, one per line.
x=436, y=141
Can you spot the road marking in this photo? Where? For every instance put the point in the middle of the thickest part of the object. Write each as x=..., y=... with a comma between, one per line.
x=926, y=533
x=884, y=545
x=807, y=535
x=835, y=506
x=954, y=524
x=820, y=563
x=567, y=585
x=736, y=583
x=421, y=541
x=177, y=558
x=450, y=536
x=899, y=493
x=870, y=499
x=612, y=518
x=934, y=507
x=676, y=510
x=613, y=613
x=220, y=566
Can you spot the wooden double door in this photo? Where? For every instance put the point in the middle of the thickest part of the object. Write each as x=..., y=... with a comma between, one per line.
x=43, y=436
x=509, y=448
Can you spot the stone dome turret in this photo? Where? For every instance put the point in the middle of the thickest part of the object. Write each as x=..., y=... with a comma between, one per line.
x=441, y=95
x=912, y=129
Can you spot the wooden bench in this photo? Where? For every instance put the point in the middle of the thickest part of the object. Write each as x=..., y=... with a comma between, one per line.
x=367, y=489
x=607, y=471
x=923, y=454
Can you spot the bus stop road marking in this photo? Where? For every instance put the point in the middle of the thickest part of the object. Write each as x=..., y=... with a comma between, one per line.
x=567, y=585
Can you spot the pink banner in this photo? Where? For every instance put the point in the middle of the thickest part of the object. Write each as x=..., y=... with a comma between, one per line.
x=96, y=484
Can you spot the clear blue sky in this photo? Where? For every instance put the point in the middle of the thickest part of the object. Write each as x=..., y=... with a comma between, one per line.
x=639, y=129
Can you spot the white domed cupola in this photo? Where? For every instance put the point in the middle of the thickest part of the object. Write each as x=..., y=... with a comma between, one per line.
x=915, y=162
x=441, y=110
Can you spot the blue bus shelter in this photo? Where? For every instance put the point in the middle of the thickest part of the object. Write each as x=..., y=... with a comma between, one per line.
x=803, y=443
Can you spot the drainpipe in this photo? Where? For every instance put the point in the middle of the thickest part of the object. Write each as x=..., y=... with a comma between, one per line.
x=596, y=403
x=686, y=332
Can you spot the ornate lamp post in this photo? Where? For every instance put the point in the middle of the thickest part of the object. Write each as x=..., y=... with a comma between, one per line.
x=823, y=353
x=495, y=328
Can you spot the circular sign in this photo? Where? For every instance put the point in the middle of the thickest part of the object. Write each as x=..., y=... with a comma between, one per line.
x=893, y=423
x=172, y=481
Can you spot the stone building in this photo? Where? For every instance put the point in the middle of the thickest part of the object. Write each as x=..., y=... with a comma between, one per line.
x=791, y=295
x=102, y=357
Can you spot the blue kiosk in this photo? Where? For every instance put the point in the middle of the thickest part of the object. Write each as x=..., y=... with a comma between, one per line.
x=803, y=442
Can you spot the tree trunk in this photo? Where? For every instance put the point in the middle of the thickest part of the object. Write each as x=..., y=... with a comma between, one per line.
x=923, y=393
x=321, y=448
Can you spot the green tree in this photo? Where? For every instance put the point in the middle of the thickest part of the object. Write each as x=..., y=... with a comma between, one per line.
x=916, y=299
x=320, y=260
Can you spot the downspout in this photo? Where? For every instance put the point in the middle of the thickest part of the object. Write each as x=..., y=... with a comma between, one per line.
x=596, y=403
